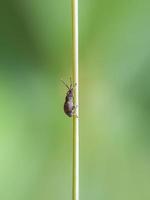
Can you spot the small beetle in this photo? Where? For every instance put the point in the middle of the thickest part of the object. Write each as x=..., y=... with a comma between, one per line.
x=69, y=107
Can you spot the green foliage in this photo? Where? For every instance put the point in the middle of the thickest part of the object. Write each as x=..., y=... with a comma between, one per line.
x=35, y=135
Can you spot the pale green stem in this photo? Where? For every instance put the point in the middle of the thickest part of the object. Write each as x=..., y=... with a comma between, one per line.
x=75, y=181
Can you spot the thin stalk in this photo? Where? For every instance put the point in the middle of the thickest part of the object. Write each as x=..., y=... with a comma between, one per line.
x=75, y=181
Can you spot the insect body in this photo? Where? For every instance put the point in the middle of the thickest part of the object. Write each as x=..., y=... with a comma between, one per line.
x=69, y=107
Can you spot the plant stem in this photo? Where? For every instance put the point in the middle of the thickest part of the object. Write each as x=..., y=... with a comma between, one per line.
x=75, y=183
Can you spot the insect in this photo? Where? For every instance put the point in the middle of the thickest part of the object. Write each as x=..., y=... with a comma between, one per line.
x=69, y=107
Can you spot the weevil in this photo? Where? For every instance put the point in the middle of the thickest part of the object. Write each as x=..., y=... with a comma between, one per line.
x=69, y=107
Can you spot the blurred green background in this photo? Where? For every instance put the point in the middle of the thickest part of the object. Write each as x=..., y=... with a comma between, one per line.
x=36, y=136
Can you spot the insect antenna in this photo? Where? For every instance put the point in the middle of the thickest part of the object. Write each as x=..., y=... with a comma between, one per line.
x=65, y=84
x=71, y=86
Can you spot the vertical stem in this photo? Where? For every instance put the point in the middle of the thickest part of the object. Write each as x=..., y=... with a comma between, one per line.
x=75, y=183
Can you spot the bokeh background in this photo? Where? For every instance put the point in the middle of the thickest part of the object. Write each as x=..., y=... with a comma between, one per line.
x=36, y=136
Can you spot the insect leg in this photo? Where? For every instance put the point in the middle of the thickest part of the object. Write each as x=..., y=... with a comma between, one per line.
x=74, y=111
x=74, y=85
x=75, y=107
x=74, y=114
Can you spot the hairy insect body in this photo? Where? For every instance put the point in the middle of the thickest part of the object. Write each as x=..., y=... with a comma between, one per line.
x=69, y=105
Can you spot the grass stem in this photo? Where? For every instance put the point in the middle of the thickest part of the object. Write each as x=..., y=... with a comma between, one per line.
x=75, y=181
